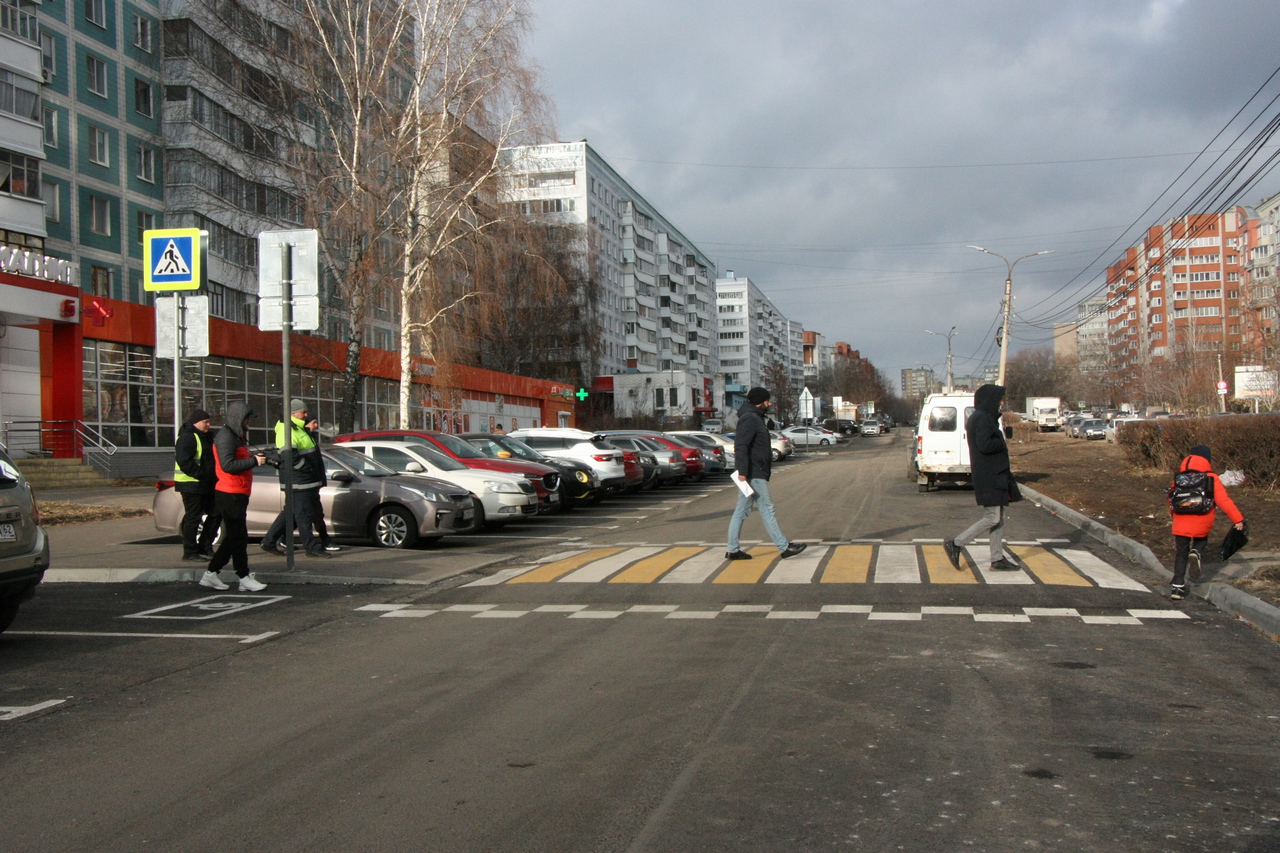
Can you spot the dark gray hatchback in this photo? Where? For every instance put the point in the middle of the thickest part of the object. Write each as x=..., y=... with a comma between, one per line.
x=24, y=548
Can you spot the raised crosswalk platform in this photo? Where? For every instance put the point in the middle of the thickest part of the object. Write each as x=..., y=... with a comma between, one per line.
x=916, y=562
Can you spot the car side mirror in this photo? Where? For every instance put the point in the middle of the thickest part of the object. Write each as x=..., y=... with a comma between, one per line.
x=414, y=468
x=504, y=454
x=343, y=477
x=1008, y=432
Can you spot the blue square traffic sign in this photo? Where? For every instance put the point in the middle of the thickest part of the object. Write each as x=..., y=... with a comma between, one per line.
x=172, y=259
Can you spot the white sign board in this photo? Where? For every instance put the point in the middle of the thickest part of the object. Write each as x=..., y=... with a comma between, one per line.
x=196, y=333
x=806, y=403
x=306, y=262
x=306, y=314
x=1255, y=381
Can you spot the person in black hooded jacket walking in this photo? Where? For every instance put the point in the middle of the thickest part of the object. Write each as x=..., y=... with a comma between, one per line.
x=993, y=484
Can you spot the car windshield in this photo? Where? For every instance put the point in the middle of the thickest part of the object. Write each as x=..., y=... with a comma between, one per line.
x=458, y=447
x=681, y=440
x=436, y=458
x=699, y=440
x=354, y=461
x=492, y=446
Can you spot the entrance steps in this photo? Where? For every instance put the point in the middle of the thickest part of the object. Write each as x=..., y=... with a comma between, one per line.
x=43, y=473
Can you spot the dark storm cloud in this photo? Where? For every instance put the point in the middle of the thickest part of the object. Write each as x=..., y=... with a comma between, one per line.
x=842, y=154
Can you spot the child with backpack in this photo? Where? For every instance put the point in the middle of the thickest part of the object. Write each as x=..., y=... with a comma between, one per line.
x=1194, y=498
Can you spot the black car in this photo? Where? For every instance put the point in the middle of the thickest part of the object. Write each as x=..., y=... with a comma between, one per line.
x=24, y=548
x=578, y=482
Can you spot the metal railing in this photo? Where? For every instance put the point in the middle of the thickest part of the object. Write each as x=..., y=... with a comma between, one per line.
x=57, y=439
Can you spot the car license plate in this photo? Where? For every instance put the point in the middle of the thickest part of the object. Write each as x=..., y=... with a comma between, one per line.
x=7, y=533
x=555, y=497
x=465, y=514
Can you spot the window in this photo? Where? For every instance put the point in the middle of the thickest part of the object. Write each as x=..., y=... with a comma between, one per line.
x=52, y=201
x=146, y=222
x=142, y=98
x=97, y=74
x=19, y=175
x=99, y=146
x=50, y=127
x=100, y=217
x=95, y=12
x=942, y=419
x=100, y=281
x=142, y=33
x=48, y=55
x=1156, y=302
x=146, y=157
x=658, y=399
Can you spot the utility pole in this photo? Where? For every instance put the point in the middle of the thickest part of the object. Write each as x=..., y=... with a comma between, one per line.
x=948, y=337
x=1008, y=303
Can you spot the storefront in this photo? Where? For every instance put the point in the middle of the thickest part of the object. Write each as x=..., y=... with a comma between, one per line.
x=96, y=365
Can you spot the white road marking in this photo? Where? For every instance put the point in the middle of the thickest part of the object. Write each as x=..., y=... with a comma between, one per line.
x=946, y=611
x=560, y=608
x=252, y=638
x=1050, y=611
x=1109, y=620
x=696, y=569
x=500, y=614
x=847, y=608
x=1099, y=572
x=800, y=568
x=503, y=576
x=894, y=616
x=792, y=614
x=1001, y=617
x=13, y=712
x=693, y=614
x=747, y=608
x=654, y=608
x=982, y=559
x=598, y=570
x=597, y=614
x=470, y=607
x=208, y=607
x=409, y=614
x=1158, y=614
x=897, y=564
x=376, y=607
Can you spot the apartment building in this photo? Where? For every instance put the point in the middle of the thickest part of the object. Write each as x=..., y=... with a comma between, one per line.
x=919, y=382
x=1260, y=248
x=1176, y=296
x=753, y=334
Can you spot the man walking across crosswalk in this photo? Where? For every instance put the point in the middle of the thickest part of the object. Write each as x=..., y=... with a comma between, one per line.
x=993, y=484
x=753, y=454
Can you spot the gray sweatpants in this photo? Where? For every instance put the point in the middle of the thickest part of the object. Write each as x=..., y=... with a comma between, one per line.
x=992, y=520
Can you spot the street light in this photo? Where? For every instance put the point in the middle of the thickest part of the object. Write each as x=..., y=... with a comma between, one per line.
x=948, y=337
x=1008, y=302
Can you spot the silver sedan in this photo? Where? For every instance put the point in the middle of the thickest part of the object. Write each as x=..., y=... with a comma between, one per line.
x=362, y=499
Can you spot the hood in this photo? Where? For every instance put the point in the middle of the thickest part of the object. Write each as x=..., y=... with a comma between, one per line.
x=987, y=399
x=1198, y=459
x=236, y=413
x=187, y=426
x=749, y=409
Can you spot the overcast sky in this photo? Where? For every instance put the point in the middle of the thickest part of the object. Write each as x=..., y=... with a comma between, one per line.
x=842, y=154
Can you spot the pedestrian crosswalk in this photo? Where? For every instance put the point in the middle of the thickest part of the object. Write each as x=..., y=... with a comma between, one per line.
x=1040, y=563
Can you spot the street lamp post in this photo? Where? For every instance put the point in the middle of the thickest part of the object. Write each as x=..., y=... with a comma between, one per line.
x=1008, y=302
x=948, y=337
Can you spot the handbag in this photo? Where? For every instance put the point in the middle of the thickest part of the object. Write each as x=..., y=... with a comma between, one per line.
x=1234, y=541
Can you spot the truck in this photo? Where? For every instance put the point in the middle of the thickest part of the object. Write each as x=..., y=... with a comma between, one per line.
x=1043, y=412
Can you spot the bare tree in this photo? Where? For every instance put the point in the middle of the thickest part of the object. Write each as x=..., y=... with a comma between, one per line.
x=786, y=399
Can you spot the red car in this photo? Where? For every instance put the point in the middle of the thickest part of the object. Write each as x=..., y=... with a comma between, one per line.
x=694, y=467
x=545, y=479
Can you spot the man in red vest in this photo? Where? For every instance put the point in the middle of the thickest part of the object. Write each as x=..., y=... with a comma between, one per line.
x=234, y=465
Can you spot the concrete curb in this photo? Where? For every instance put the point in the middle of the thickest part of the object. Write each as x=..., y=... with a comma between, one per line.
x=1227, y=598
x=192, y=575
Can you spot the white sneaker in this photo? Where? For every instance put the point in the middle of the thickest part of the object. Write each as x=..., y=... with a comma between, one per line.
x=332, y=548
x=249, y=583
x=211, y=580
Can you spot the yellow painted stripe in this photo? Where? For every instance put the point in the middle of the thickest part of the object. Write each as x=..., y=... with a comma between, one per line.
x=650, y=569
x=940, y=569
x=848, y=564
x=1048, y=567
x=749, y=571
x=551, y=571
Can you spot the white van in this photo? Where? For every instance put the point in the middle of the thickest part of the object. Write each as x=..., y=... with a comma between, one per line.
x=941, y=452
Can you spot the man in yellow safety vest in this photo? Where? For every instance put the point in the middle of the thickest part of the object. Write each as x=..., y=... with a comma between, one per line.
x=194, y=478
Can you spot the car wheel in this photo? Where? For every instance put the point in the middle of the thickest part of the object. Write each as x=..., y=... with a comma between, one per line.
x=8, y=612
x=823, y=443
x=392, y=527
x=480, y=517
x=777, y=455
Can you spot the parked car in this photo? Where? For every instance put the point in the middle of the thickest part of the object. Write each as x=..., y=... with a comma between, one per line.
x=670, y=462
x=498, y=497
x=809, y=436
x=1073, y=424
x=714, y=438
x=578, y=481
x=545, y=479
x=712, y=425
x=587, y=447
x=695, y=467
x=1117, y=424
x=24, y=548
x=362, y=499
x=1093, y=428
x=871, y=428
x=780, y=445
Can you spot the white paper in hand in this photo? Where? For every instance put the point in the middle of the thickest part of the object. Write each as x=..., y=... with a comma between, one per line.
x=743, y=486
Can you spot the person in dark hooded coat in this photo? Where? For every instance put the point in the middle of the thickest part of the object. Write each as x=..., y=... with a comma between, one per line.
x=993, y=484
x=194, y=478
x=234, y=463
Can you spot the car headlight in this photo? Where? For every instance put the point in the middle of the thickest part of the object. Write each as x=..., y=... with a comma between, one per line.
x=429, y=494
x=582, y=476
x=502, y=487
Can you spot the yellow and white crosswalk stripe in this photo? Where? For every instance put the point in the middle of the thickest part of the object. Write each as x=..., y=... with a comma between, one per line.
x=859, y=563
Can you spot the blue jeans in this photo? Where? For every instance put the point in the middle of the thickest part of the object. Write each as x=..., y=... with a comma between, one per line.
x=743, y=509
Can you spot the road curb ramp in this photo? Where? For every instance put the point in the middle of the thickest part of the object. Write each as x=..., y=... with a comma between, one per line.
x=1235, y=602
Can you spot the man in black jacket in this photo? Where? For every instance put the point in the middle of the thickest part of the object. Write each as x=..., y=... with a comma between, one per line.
x=307, y=466
x=993, y=485
x=194, y=479
x=753, y=457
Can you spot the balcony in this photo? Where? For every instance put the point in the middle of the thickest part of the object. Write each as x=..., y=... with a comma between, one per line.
x=17, y=23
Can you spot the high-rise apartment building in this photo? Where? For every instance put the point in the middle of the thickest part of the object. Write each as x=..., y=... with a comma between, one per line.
x=918, y=383
x=656, y=309
x=1260, y=248
x=754, y=334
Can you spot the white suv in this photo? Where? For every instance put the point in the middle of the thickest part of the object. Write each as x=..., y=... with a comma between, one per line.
x=588, y=447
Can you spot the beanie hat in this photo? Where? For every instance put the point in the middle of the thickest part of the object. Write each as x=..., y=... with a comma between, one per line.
x=296, y=405
x=1202, y=450
x=198, y=415
x=757, y=395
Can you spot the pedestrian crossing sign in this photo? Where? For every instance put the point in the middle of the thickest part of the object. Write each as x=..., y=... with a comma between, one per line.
x=173, y=259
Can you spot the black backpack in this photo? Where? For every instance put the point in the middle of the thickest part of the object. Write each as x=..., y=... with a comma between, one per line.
x=1191, y=493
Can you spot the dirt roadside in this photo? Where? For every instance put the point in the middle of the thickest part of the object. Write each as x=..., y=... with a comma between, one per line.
x=1094, y=478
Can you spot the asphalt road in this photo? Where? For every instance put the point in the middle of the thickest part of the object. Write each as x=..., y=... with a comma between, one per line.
x=613, y=686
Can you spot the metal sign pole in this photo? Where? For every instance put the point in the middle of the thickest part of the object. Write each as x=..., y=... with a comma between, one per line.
x=286, y=330
x=179, y=350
